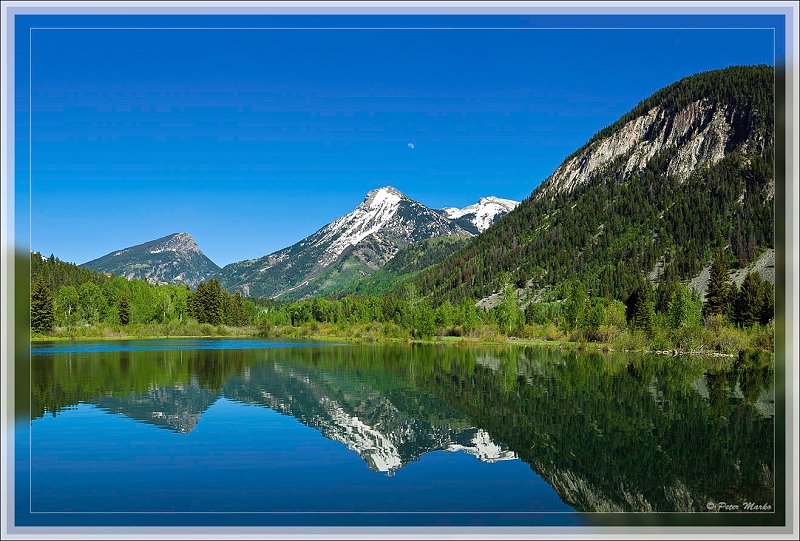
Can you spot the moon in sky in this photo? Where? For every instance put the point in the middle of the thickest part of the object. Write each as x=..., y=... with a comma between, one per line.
x=411, y=146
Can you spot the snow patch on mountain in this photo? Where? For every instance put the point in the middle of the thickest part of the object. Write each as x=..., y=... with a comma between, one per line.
x=372, y=215
x=483, y=213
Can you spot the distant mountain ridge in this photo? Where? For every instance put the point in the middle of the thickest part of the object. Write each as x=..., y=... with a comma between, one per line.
x=346, y=250
x=174, y=259
x=349, y=248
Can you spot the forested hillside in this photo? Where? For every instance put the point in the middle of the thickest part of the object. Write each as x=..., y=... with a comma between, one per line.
x=74, y=298
x=688, y=170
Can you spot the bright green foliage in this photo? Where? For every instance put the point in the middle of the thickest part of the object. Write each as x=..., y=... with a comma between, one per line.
x=164, y=304
x=684, y=308
x=42, y=308
x=507, y=312
x=124, y=309
x=91, y=303
x=424, y=320
x=91, y=297
x=615, y=314
x=444, y=315
x=574, y=304
x=67, y=305
x=467, y=315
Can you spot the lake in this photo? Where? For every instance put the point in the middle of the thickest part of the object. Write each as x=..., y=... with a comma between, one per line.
x=263, y=432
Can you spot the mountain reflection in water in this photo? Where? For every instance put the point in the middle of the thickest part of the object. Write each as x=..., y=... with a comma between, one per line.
x=607, y=432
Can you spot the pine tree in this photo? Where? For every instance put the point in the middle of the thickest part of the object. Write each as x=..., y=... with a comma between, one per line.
x=640, y=308
x=748, y=306
x=767, y=304
x=212, y=302
x=42, y=308
x=718, y=290
x=124, y=309
x=195, y=303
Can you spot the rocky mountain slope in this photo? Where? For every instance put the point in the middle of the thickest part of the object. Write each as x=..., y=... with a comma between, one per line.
x=354, y=245
x=687, y=170
x=172, y=259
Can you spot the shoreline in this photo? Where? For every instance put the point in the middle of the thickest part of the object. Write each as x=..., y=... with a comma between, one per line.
x=454, y=341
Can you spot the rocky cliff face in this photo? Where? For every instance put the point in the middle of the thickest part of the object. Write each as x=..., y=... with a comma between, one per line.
x=699, y=134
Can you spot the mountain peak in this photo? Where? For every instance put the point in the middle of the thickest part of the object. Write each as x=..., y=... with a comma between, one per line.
x=483, y=213
x=181, y=242
x=382, y=197
x=361, y=241
x=172, y=259
x=497, y=200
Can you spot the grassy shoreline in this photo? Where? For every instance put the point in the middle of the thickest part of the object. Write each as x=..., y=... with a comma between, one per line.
x=456, y=341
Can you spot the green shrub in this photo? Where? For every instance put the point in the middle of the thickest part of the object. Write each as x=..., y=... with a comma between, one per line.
x=730, y=340
x=206, y=329
x=691, y=337
x=630, y=340
x=763, y=336
x=553, y=333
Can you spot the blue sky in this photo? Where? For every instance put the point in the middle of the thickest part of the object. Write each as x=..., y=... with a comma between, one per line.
x=253, y=139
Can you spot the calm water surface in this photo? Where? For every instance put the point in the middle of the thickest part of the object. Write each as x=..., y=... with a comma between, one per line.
x=256, y=427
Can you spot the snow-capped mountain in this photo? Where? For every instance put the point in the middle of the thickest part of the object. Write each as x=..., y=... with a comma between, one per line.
x=377, y=427
x=478, y=217
x=174, y=259
x=358, y=243
x=347, y=249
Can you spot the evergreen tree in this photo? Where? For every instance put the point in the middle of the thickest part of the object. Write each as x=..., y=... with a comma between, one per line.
x=767, y=304
x=666, y=290
x=640, y=308
x=212, y=303
x=195, y=303
x=748, y=307
x=124, y=309
x=237, y=316
x=42, y=308
x=718, y=290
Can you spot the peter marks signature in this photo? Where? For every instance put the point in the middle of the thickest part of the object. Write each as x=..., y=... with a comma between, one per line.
x=743, y=506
